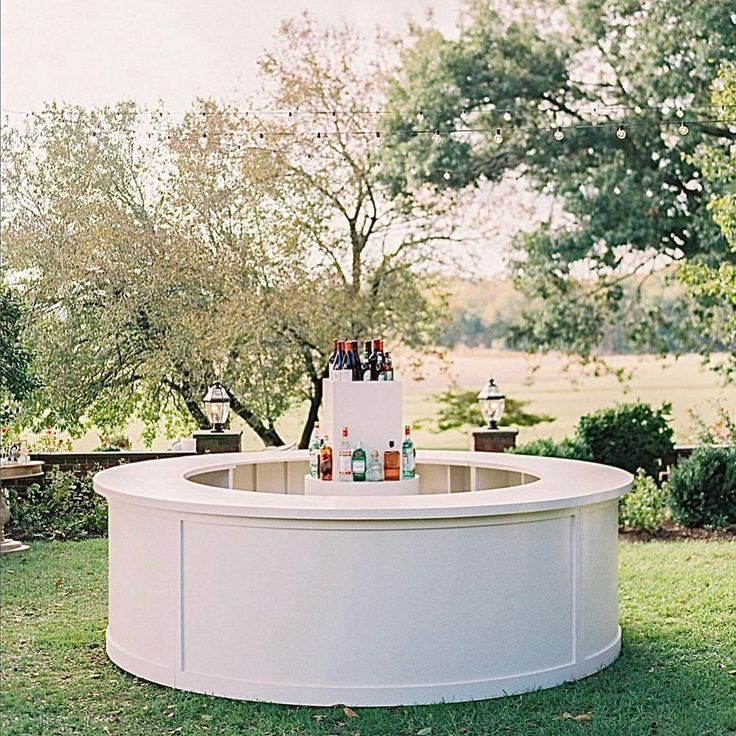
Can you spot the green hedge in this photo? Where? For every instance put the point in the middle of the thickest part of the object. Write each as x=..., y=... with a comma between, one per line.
x=702, y=488
x=569, y=448
x=64, y=506
x=628, y=436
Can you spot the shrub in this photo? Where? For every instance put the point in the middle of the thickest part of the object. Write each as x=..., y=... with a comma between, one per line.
x=702, y=488
x=628, y=436
x=64, y=506
x=645, y=506
x=571, y=449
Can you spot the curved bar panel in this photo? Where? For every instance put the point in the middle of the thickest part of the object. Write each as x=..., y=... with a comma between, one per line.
x=467, y=589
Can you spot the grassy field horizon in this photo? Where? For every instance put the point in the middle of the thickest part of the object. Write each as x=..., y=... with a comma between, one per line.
x=545, y=382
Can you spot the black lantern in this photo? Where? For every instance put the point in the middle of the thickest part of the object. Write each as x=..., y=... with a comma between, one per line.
x=492, y=403
x=217, y=406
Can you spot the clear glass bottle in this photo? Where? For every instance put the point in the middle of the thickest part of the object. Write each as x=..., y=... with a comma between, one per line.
x=391, y=463
x=345, y=456
x=358, y=463
x=314, y=447
x=375, y=470
x=408, y=455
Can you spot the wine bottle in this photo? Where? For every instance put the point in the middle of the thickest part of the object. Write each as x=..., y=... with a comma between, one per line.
x=375, y=470
x=347, y=362
x=364, y=365
x=358, y=463
x=325, y=460
x=376, y=358
x=337, y=365
x=391, y=463
x=345, y=454
x=333, y=355
x=388, y=371
x=408, y=455
x=357, y=373
x=314, y=447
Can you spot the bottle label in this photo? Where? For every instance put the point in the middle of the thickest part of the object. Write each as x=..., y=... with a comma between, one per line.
x=313, y=464
x=409, y=462
x=346, y=472
x=358, y=467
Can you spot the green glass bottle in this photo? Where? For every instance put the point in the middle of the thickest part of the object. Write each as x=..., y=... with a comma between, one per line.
x=358, y=463
x=408, y=455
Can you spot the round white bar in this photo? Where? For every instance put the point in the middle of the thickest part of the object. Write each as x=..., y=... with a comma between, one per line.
x=444, y=595
x=318, y=487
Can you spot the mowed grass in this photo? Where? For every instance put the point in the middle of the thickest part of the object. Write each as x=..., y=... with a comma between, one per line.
x=676, y=675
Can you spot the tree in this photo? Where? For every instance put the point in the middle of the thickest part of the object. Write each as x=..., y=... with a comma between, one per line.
x=239, y=244
x=630, y=205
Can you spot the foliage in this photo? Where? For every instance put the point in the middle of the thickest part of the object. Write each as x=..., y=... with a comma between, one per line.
x=644, y=507
x=621, y=210
x=158, y=263
x=677, y=612
x=63, y=506
x=113, y=442
x=17, y=376
x=702, y=488
x=458, y=407
x=50, y=440
x=569, y=448
x=628, y=436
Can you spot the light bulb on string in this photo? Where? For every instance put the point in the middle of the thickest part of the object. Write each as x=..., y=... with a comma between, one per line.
x=413, y=170
x=203, y=116
x=436, y=137
x=683, y=129
x=620, y=132
x=616, y=190
x=420, y=116
x=680, y=112
x=203, y=140
x=507, y=116
x=447, y=176
x=594, y=112
x=93, y=140
x=379, y=140
x=498, y=138
x=558, y=134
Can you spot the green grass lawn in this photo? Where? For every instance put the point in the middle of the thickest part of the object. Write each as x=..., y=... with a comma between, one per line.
x=676, y=674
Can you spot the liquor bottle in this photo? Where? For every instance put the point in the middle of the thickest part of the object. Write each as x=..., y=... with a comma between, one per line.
x=337, y=365
x=357, y=373
x=345, y=456
x=333, y=356
x=358, y=463
x=375, y=471
x=408, y=455
x=314, y=447
x=365, y=367
x=325, y=460
x=391, y=463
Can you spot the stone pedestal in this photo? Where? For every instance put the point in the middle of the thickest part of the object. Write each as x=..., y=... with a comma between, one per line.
x=15, y=471
x=210, y=442
x=494, y=440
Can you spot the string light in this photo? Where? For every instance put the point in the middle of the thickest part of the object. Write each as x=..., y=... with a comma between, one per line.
x=620, y=132
x=558, y=134
x=498, y=138
x=616, y=190
x=436, y=137
x=683, y=129
x=203, y=140
x=420, y=117
x=93, y=140
x=507, y=116
x=447, y=176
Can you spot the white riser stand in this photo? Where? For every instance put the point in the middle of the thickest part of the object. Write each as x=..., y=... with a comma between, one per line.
x=403, y=487
x=371, y=410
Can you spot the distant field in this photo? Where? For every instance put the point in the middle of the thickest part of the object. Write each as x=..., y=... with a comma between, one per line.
x=684, y=383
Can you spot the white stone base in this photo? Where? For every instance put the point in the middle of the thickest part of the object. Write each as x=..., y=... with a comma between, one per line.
x=403, y=487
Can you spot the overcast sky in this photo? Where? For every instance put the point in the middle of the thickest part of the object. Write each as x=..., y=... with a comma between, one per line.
x=94, y=52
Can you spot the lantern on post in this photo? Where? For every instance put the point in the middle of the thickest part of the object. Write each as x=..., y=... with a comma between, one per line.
x=492, y=403
x=217, y=406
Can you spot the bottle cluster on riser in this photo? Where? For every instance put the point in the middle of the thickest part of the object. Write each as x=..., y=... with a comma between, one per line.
x=374, y=364
x=353, y=463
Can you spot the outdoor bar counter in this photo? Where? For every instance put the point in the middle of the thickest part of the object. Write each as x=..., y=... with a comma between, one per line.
x=497, y=576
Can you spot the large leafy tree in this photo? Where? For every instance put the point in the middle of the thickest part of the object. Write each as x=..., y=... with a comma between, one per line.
x=161, y=253
x=633, y=205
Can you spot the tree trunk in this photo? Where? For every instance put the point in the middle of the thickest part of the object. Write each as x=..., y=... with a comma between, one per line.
x=313, y=414
x=269, y=436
